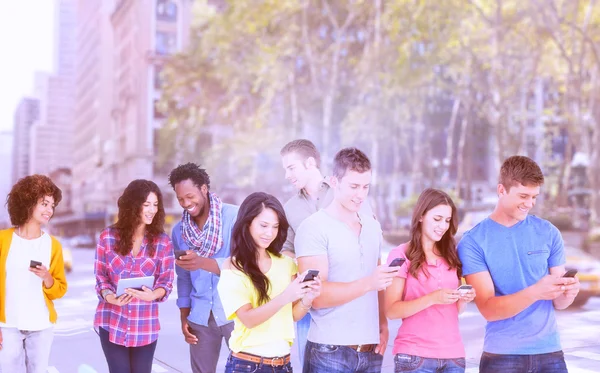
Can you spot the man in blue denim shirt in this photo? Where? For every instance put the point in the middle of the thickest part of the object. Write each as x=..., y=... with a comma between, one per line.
x=204, y=233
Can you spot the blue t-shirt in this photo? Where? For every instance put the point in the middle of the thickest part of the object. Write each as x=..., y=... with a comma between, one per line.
x=516, y=257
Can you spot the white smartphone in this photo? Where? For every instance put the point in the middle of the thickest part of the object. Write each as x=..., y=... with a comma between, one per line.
x=463, y=289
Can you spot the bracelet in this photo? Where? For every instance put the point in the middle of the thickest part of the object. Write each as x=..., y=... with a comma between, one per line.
x=304, y=305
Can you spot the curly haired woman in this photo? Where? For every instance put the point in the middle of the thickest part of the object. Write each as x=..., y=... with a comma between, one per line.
x=32, y=275
x=135, y=246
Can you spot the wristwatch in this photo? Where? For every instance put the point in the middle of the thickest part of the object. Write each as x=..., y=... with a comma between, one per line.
x=105, y=292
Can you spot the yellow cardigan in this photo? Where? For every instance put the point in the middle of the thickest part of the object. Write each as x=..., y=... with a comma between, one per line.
x=57, y=270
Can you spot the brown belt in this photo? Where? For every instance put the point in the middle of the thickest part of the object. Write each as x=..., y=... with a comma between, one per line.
x=362, y=348
x=272, y=361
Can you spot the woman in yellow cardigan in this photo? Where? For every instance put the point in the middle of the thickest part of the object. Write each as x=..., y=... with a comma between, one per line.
x=32, y=275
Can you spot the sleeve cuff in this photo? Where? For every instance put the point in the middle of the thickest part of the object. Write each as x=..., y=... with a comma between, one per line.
x=184, y=302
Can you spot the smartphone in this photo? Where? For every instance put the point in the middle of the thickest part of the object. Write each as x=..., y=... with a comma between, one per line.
x=34, y=263
x=312, y=273
x=179, y=254
x=464, y=288
x=397, y=262
x=570, y=273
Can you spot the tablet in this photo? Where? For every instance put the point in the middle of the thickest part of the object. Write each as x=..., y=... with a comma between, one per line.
x=135, y=283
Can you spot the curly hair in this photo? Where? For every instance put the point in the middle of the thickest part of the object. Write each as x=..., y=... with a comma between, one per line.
x=130, y=208
x=189, y=171
x=26, y=194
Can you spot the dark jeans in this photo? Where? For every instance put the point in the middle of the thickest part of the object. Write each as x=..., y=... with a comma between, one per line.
x=235, y=365
x=417, y=364
x=320, y=358
x=123, y=359
x=553, y=362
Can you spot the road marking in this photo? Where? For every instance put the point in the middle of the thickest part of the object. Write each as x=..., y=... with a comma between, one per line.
x=472, y=370
x=586, y=355
x=158, y=369
x=52, y=370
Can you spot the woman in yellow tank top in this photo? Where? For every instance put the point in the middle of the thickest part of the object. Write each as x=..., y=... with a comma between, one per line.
x=260, y=289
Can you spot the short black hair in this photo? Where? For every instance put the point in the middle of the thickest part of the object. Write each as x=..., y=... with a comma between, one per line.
x=189, y=171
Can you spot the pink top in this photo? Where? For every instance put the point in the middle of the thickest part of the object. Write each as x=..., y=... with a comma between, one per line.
x=433, y=332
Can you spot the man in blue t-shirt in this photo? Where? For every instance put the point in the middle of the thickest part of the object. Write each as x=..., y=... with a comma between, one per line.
x=515, y=263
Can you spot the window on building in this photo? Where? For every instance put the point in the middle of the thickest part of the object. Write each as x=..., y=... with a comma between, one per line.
x=158, y=81
x=166, y=10
x=166, y=43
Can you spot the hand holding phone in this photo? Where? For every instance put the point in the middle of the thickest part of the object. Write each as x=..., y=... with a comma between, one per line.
x=463, y=289
x=179, y=254
x=34, y=263
x=570, y=273
x=312, y=273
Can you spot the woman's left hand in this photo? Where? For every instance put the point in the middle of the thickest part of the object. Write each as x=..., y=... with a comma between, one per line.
x=42, y=272
x=315, y=291
x=145, y=294
x=467, y=296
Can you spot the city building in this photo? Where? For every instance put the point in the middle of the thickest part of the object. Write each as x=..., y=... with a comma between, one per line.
x=26, y=114
x=121, y=46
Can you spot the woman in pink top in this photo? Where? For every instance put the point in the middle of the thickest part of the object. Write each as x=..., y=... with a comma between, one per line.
x=425, y=295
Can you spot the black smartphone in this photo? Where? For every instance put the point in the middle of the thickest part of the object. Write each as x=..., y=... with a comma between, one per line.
x=179, y=254
x=34, y=263
x=397, y=262
x=312, y=273
x=570, y=273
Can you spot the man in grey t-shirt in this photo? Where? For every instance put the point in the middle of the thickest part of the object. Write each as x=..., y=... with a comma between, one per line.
x=348, y=331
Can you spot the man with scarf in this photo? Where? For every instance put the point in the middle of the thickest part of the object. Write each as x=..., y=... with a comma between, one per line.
x=204, y=232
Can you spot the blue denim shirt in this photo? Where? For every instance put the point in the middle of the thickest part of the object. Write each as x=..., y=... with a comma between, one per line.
x=198, y=289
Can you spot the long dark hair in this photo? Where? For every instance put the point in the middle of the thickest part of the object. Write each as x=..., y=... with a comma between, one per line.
x=243, y=248
x=446, y=247
x=130, y=207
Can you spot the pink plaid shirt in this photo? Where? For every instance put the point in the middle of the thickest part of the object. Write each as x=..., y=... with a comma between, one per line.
x=135, y=324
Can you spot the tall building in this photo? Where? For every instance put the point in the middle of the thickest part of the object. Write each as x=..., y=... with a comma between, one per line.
x=144, y=37
x=6, y=145
x=26, y=115
x=120, y=48
x=51, y=138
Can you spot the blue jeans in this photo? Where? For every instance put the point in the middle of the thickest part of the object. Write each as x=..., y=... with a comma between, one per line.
x=25, y=351
x=235, y=365
x=320, y=358
x=417, y=364
x=302, y=333
x=121, y=359
x=553, y=362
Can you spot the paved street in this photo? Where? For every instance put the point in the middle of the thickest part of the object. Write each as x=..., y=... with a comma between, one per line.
x=77, y=349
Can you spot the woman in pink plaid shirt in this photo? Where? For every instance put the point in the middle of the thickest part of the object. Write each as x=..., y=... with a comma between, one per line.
x=135, y=246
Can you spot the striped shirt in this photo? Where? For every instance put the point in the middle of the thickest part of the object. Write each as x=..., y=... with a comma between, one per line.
x=135, y=324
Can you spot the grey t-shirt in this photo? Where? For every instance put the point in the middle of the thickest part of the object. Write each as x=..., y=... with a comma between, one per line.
x=350, y=258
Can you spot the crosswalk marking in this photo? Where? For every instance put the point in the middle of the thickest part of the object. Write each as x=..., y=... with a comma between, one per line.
x=52, y=370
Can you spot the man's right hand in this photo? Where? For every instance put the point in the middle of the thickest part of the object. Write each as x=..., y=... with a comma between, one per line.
x=551, y=287
x=382, y=277
x=187, y=333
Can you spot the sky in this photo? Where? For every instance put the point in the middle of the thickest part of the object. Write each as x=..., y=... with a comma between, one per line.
x=27, y=41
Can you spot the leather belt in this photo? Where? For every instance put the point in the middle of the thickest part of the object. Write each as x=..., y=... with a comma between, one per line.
x=362, y=348
x=271, y=361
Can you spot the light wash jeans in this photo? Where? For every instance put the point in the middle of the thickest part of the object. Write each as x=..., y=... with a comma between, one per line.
x=302, y=327
x=25, y=351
